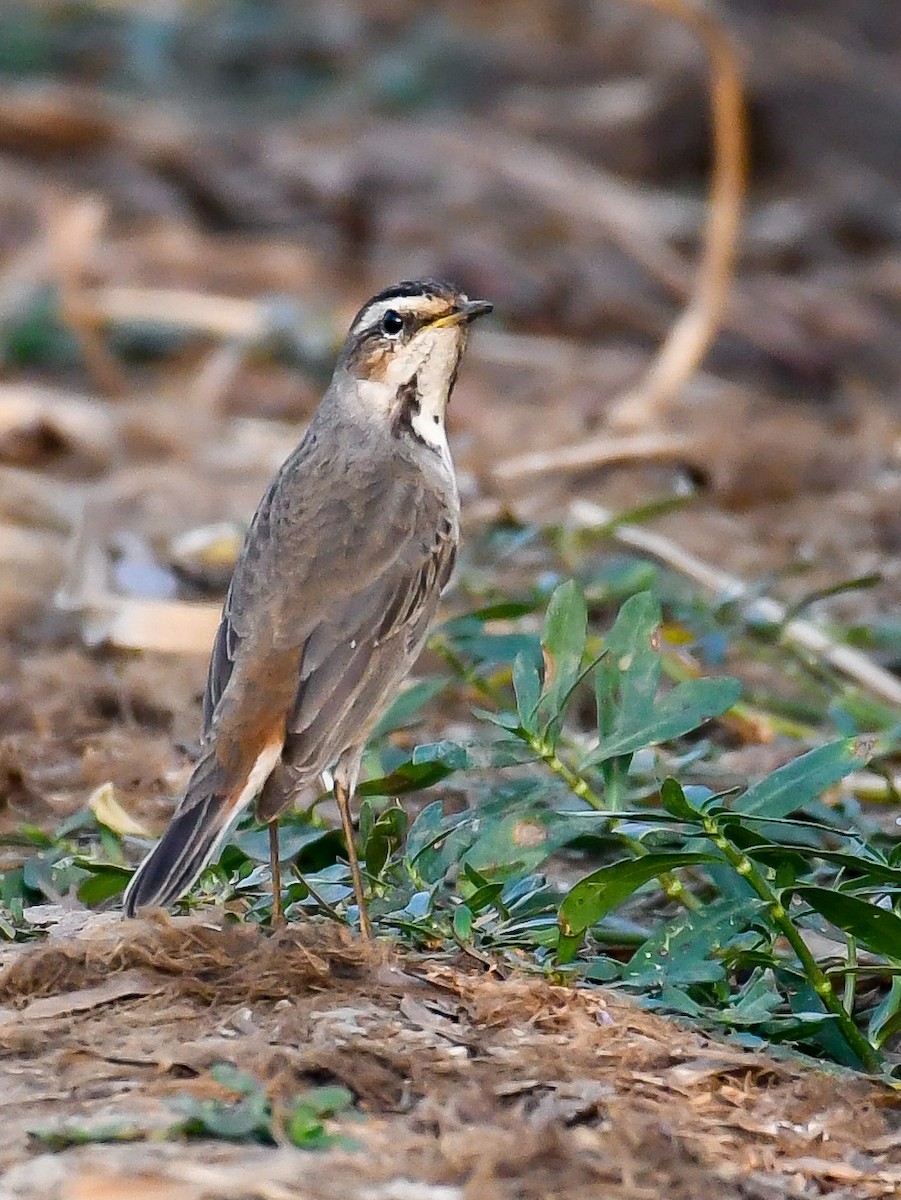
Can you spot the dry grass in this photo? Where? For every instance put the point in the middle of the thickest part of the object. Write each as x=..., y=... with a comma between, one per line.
x=481, y=1086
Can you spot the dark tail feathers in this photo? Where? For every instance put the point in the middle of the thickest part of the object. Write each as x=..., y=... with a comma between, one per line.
x=200, y=824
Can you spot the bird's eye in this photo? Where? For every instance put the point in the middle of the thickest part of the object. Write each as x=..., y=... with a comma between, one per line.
x=392, y=323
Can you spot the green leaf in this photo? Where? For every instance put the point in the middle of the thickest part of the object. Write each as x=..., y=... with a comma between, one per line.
x=682, y=710
x=449, y=754
x=469, y=638
x=503, y=611
x=879, y=929
x=797, y=783
x=254, y=843
x=867, y=870
x=626, y=678
x=328, y=1100
x=72, y=1133
x=886, y=1016
x=518, y=842
x=409, y=777
x=382, y=833
x=435, y=842
x=463, y=922
x=375, y=854
x=474, y=876
x=527, y=688
x=483, y=897
x=688, y=949
x=235, y=1080
x=673, y=799
x=563, y=642
x=428, y=826
x=304, y=1128
x=405, y=708
x=843, y=586
x=509, y=751
x=105, y=880
x=249, y=1118
x=603, y=890
x=757, y=1002
x=504, y=720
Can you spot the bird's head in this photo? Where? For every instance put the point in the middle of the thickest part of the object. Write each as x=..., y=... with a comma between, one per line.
x=403, y=351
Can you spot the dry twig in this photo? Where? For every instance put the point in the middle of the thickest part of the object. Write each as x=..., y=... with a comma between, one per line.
x=690, y=337
x=220, y=316
x=639, y=447
x=802, y=636
x=73, y=227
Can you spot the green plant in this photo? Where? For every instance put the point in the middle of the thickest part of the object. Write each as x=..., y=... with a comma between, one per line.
x=251, y=1116
x=248, y=1116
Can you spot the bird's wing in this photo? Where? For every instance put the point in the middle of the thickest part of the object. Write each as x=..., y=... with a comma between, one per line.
x=243, y=592
x=312, y=549
x=361, y=650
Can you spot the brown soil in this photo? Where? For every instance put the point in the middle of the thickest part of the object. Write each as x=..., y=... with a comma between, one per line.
x=466, y=1085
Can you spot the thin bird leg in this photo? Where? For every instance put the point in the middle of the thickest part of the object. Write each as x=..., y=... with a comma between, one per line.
x=275, y=867
x=342, y=795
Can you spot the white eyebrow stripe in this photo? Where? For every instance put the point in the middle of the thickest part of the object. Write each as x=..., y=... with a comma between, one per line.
x=419, y=306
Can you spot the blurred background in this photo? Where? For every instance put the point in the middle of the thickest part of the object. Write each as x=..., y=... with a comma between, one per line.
x=196, y=197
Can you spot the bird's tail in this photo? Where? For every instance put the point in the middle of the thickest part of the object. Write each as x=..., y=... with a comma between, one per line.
x=209, y=809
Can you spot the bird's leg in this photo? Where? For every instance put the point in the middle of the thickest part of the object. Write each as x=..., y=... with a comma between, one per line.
x=275, y=868
x=343, y=796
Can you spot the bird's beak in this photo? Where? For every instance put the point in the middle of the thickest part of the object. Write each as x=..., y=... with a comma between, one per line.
x=467, y=311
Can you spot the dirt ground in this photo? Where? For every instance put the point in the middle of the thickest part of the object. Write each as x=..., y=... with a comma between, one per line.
x=466, y=1084
x=205, y=248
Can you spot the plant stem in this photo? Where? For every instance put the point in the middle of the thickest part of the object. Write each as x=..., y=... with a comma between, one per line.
x=323, y=904
x=673, y=887
x=818, y=979
x=850, y=975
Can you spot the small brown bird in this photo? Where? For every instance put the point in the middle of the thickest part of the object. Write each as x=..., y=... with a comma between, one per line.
x=334, y=589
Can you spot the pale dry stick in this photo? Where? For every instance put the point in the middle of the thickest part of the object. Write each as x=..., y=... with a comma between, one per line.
x=34, y=501
x=127, y=622
x=867, y=785
x=25, y=548
x=639, y=447
x=220, y=316
x=690, y=337
x=23, y=276
x=161, y=626
x=217, y=373
x=27, y=270
x=542, y=352
x=801, y=635
x=240, y=323
x=73, y=227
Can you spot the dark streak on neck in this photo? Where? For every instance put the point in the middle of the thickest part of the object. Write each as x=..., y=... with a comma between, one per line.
x=407, y=406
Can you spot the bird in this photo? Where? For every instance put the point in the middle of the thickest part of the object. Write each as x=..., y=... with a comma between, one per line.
x=333, y=591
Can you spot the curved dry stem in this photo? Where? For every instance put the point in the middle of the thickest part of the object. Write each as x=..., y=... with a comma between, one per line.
x=691, y=335
x=606, y=451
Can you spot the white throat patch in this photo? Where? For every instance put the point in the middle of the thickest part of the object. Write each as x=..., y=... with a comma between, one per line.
x=432, y=359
